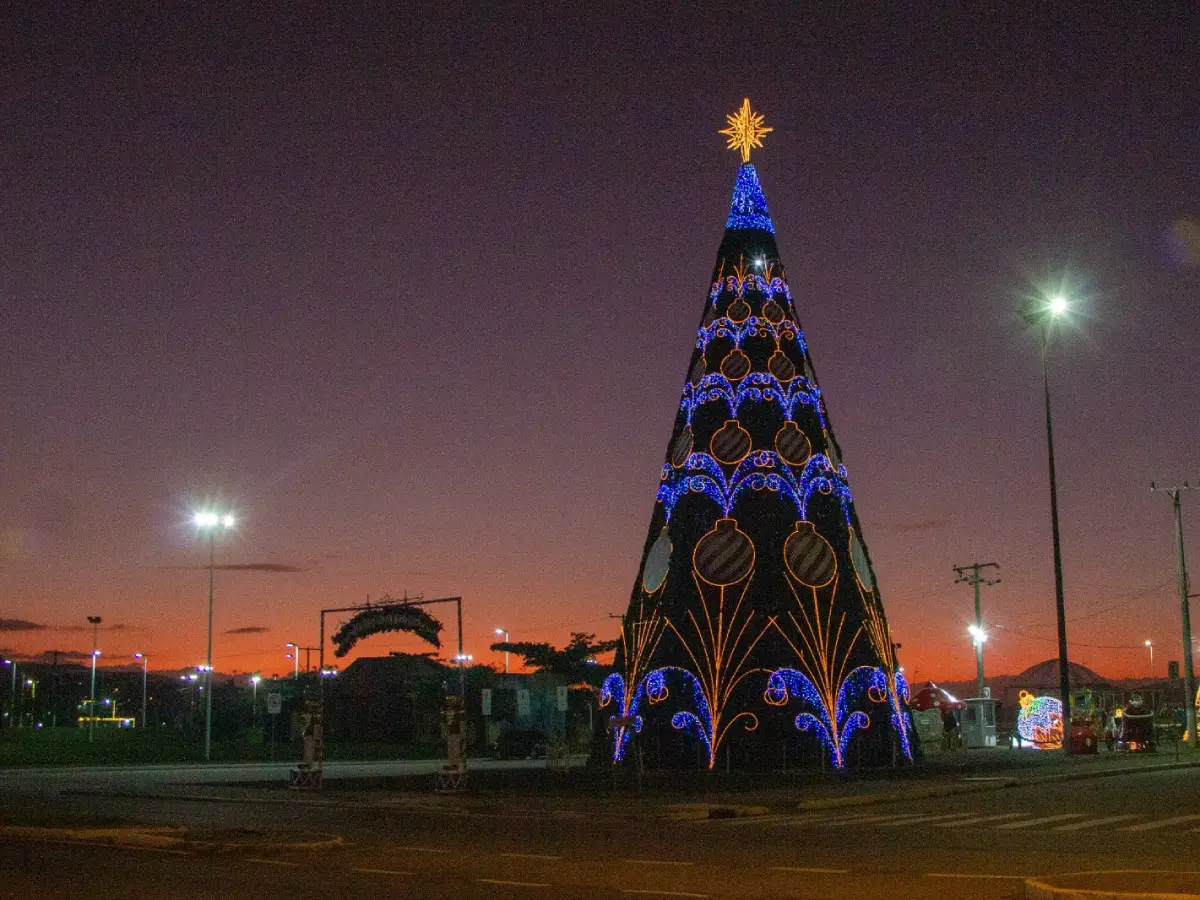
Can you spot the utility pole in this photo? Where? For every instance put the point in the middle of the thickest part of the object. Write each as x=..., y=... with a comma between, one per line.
x=973, y=575
x=95, y=621
x=1189, y=674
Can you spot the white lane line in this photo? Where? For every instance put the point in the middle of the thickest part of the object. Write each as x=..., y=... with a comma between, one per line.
x=659, y=862
x=981, y=819
x=382, y=871
x=423, y=849
x=273, y=862
x=532, y=884
x=894, y=819
x=764, y=820
x=1044, y=820
x=661, y=893
x=861, y=817
x=1096, y=823
x=530, y=856
x=924, y=820
x=1160, y=823
x=969, y=875
x=808, y=870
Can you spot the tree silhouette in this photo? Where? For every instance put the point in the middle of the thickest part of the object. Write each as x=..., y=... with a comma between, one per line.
x=575, y=660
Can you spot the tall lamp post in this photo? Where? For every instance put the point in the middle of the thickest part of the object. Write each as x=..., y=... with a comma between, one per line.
x=504, y=631
x=12, y=704
x=1189, y=671
x=295, y=657
x=95, y=620
x=1043, y=314
x=145, y=667
x=210, y=521
x=1150, y=647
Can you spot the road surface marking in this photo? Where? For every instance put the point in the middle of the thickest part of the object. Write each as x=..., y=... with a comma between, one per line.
x=530, y=856
x=968, y=875
x=382, y=871
x=423, y=849
x=512, y=883
x=808, y=870
x=273, y=862
x=893, y=818
x=661, y=893
x=843, y=819
x=778, y=819
x=659, y=862
x=980, y=820
x=1096, y=823
x=923, y=820
x=1044, y=820
x=1160, y=823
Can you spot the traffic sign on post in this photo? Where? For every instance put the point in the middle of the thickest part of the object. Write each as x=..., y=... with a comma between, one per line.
x=274, y=704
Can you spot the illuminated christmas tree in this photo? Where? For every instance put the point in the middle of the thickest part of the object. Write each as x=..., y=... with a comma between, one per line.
x=755, y=609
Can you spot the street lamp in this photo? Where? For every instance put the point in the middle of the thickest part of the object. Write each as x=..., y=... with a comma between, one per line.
x=254, y=680
x=294, y=656
x=145, y=663
x=1150, y=647
x=210, y=521
x=95, y=621
x=1043, y=313
x=12, y=704
x=504, y=632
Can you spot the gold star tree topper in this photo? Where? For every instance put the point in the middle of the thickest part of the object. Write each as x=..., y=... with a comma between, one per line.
x=745, y=130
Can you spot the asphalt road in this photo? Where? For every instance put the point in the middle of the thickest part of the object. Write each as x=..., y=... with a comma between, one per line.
x=977, y=845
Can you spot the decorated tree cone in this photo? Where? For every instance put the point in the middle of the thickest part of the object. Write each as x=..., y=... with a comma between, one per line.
x=731, y=444
x=736, y=365
x=809, y=557
x=658, y=563
x=725, y=555
x=792, y=444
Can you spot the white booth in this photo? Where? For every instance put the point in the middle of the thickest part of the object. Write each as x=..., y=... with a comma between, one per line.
x=979, y=722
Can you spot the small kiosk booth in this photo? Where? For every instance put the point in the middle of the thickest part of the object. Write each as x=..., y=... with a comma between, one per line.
x=979, y=722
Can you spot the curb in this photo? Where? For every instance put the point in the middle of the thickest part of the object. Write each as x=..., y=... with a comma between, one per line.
x=1041, y=889
x=155, y=838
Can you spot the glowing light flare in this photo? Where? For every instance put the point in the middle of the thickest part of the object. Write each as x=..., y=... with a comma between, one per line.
x=210, y=519
x=1059, y=305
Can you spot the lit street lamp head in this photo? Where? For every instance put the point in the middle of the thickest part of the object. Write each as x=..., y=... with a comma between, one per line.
x=1042, y=312
x=209, y=519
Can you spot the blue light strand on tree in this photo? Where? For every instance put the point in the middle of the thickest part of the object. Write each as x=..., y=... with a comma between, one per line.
x=833, y=727
x=749, y=207
x=761, y=387
x=703, y=475
x=755, y=326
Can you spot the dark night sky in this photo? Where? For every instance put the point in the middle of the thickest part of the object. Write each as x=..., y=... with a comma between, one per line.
x=414, y=294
